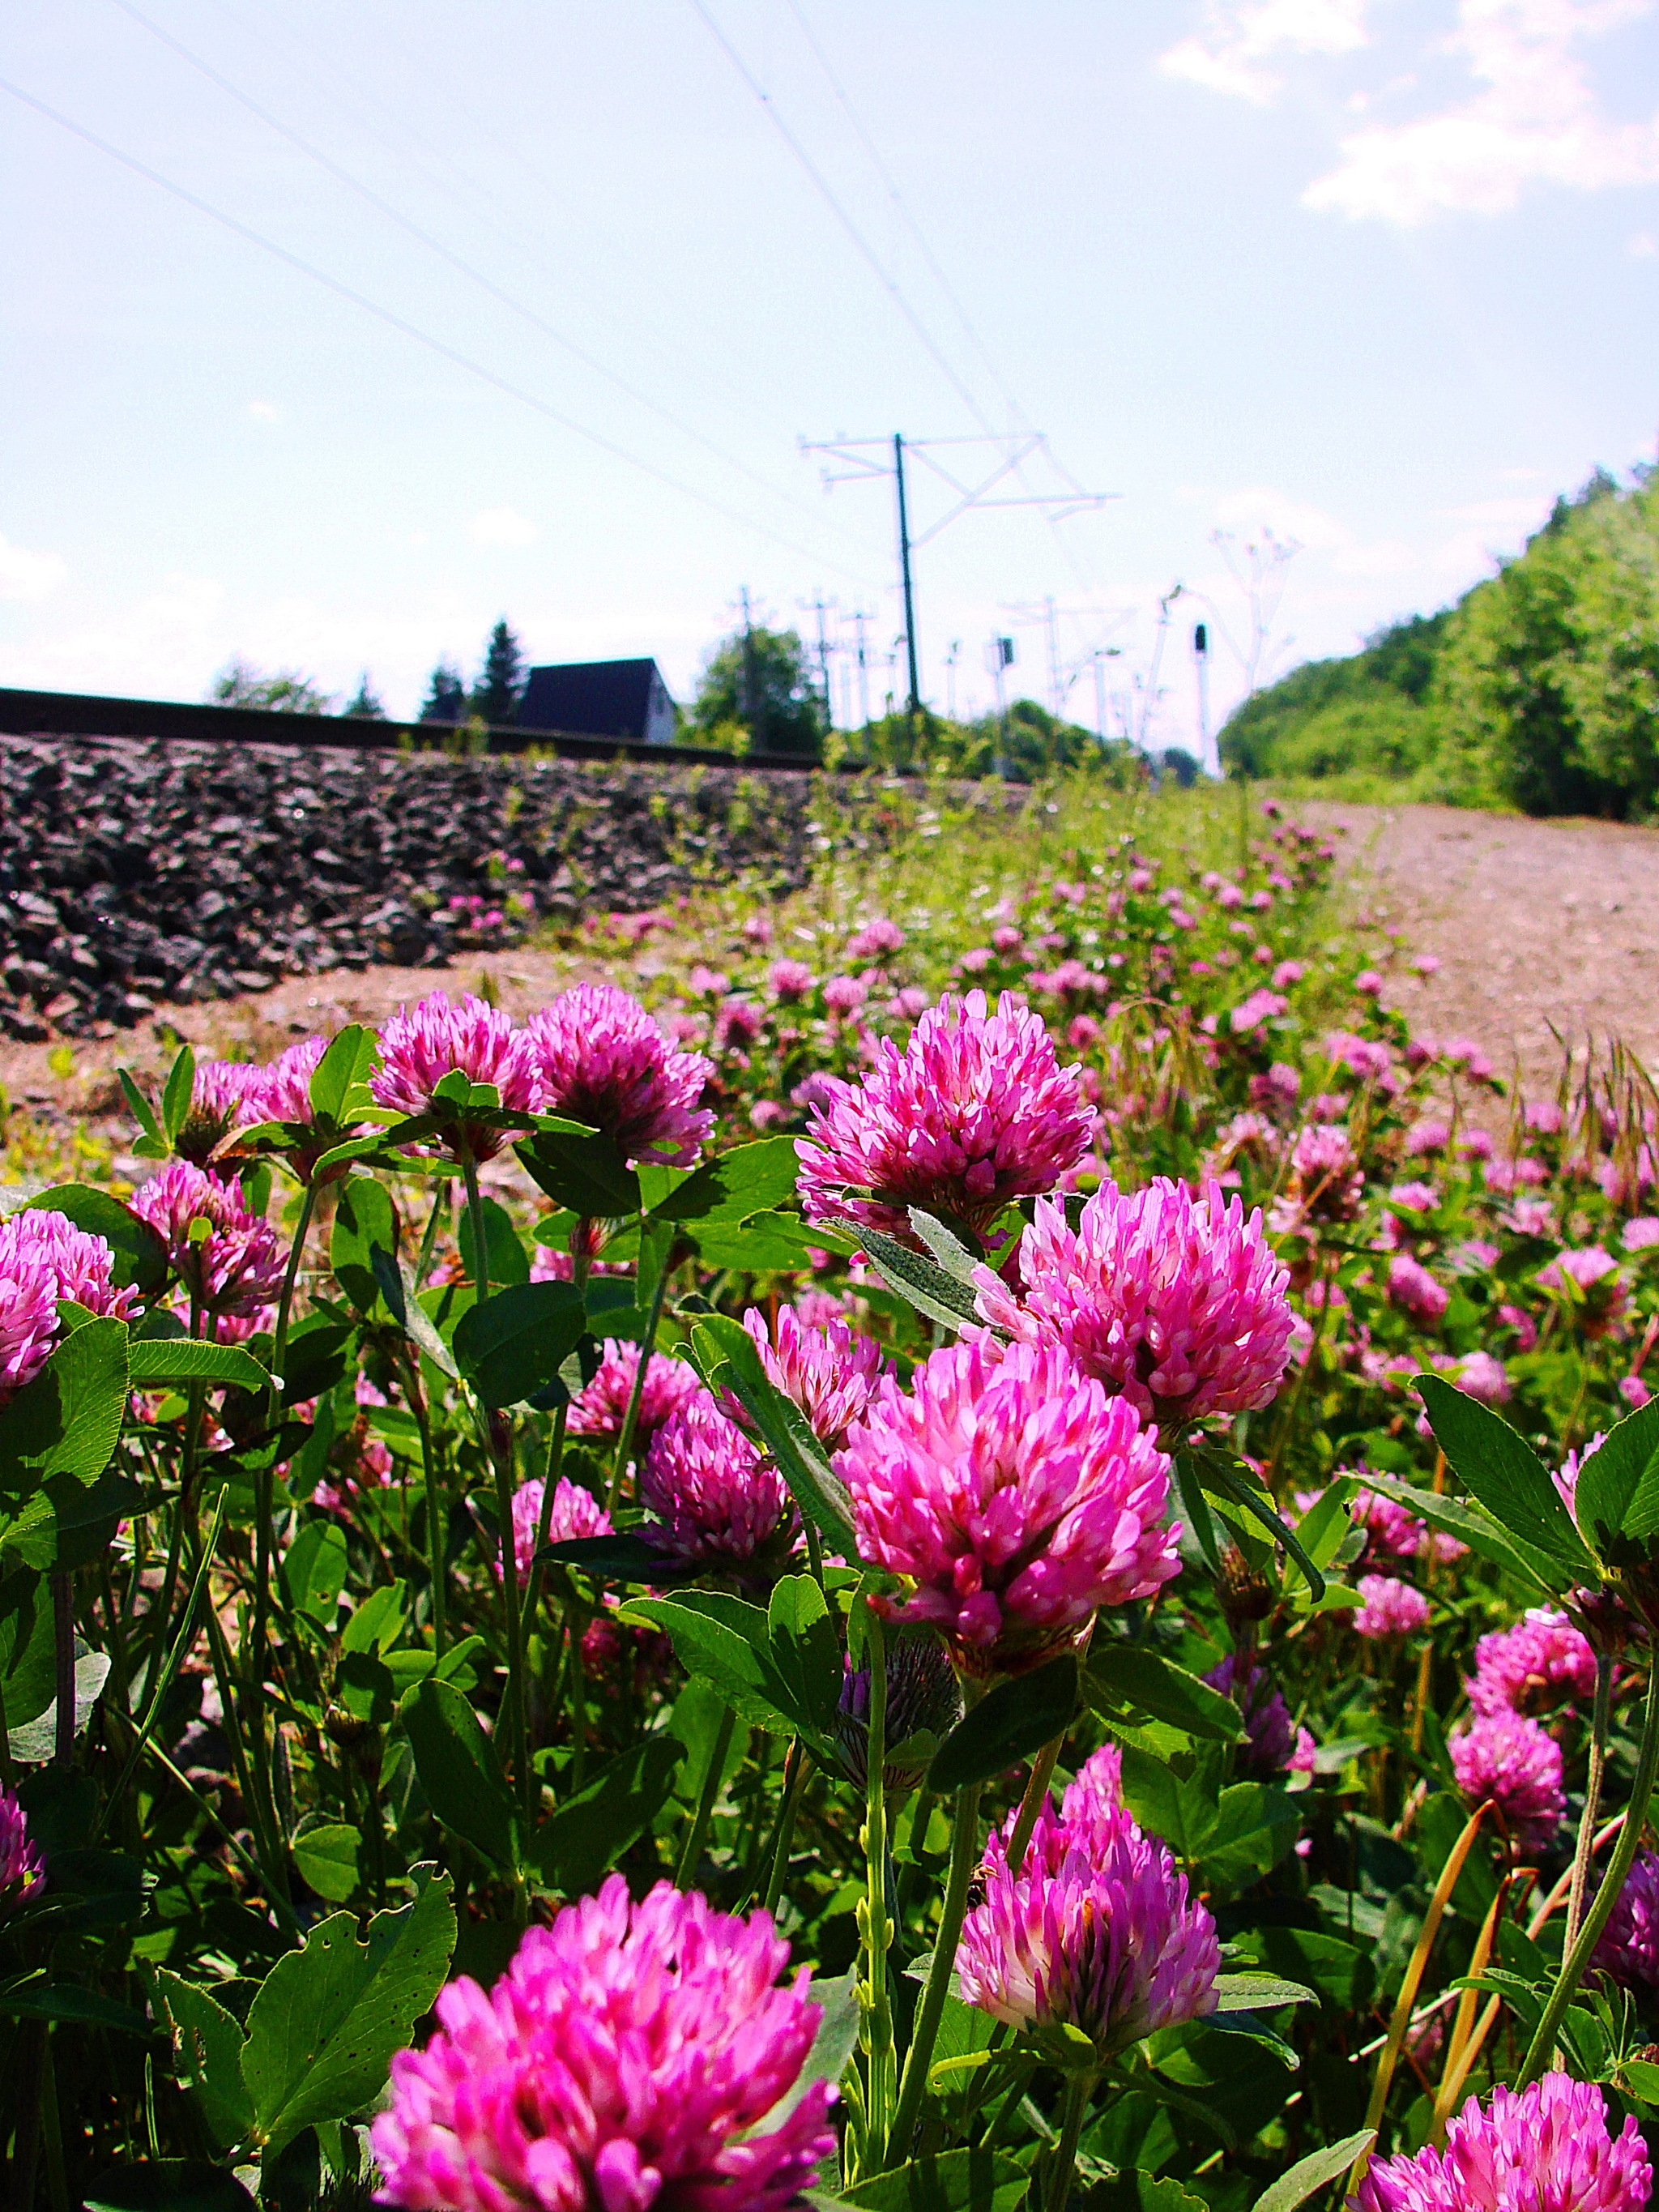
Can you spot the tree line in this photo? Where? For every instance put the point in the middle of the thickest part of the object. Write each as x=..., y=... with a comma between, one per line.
x=1538, y=690
x=759, y=692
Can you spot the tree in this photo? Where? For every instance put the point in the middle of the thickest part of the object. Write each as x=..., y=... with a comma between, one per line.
x=287, y=692
x=1549, y=686
x=446, y=695
x=501, y=681
x=367, y=706
x=762, y=681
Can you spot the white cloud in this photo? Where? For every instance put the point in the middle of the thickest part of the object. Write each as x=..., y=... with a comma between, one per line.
x=25, y=575
x=1240, y=37
x=1537, y=118
x=1641, y=245
x=1259, y=507
x=503, y=525
x=261, y=411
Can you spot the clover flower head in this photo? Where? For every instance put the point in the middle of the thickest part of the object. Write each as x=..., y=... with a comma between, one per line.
x=1176, y=1301
x=826, y=1369
x=922, y=1693
x=600, y=1407
x=1392, y=1530
x=1481, y=1376
x=1014, y=1493
x=81, y=1265
x=225, y=1095
x=287, y=1087
x=603, y=1060
x=626, y=2059
x=711, y=1497
x=420, y=1045
x=1388, y=1607
x=22, y=1870
x=1270, y=1739
x=1518, y=1764
x=575, y=1512
x=236, y=1265
x=1096, y=1931
x=28, y=1314
x=1533, y=1665
x=1094, y=1792
x=875, y=940
x=974, y=1112
x=1415, y=1292
x=1543, y=2149
x=1627, y=1949
x=791, y=980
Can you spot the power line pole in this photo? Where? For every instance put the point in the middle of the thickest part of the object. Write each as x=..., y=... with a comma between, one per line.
x=904, y=568
x=860, y=458
x=750, y=688
x=1201, y=668
x=859, y=619
x=821, y=606
x=951, y=659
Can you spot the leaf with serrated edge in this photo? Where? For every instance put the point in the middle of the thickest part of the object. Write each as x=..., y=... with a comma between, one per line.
x=921, y=1281
x=1508, y=1477
x=326, y=2019
x=207, y=2044
x=1310, y=2174
x=1257, y=1992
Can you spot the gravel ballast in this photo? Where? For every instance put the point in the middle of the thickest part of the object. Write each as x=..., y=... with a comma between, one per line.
x=133, y=872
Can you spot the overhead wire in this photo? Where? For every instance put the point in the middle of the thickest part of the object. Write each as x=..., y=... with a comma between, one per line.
x=1018, y=414
x=458, y=262
x=866, y=252
x=426, y=338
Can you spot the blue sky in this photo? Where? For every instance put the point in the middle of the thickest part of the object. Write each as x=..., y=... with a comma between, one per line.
x=1377, y=275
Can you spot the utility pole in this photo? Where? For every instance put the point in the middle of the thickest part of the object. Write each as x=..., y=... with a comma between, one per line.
x=859, y=619
x=951, y=677
x=821, y=605
x=859, y=456
x=1149, y=698
x=904, y=569
x=749, y=695
x=1201, y=669
x=998, y=658
x=1100, y=656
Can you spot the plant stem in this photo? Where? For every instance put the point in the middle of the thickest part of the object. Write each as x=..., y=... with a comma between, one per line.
x=794, y=1785
x=705, y=1812
x=500, y=1460
x=266, y=1479
x=1062, y=2165
x=532, y=1587
x=965, y=1854
x=881, y=2086
x=51, y=2129
x=1602, y=1713
x=476, y=1215
x=1415, y=1968
x=183, y=1517
x=62, y=1632
x=1036, y=1789
x=631, y=1419
x=437, y=1508
x=1624, y=1854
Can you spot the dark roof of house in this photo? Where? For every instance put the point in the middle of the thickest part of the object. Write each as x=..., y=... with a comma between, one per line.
x=607, y=698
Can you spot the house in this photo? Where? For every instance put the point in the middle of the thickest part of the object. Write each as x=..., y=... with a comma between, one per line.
x=625, y=699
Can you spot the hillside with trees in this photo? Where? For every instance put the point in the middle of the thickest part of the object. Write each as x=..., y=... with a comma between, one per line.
x=1539, y=689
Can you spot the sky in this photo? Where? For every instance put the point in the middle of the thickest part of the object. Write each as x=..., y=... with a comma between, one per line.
x=331, y=332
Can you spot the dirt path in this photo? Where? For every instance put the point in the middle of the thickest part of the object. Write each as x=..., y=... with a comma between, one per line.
x=1534, y=923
